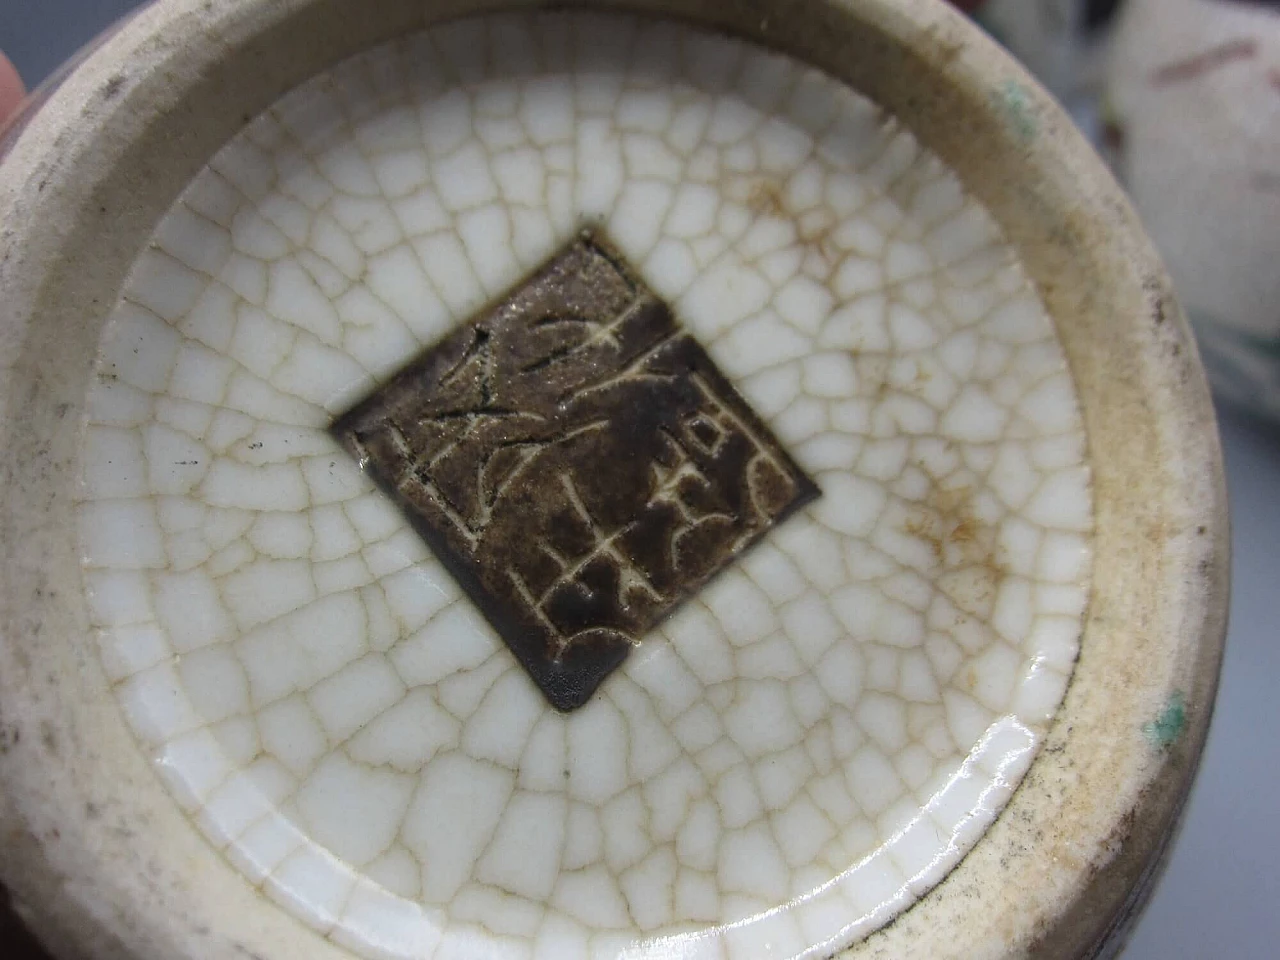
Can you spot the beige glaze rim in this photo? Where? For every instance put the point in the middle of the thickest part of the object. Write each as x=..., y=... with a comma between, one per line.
x=102, y=863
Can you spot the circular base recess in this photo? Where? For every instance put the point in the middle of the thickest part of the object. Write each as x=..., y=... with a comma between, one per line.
x=810, y=732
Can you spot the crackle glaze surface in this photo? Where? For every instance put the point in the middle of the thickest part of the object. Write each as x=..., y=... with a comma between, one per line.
x=799, y=752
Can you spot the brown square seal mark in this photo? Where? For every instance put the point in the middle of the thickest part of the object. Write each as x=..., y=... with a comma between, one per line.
x=577, y=462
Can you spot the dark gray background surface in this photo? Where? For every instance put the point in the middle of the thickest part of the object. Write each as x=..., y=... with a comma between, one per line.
x=1220, y=897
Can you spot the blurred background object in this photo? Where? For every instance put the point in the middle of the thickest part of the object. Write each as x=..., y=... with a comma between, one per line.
x=1193, y=106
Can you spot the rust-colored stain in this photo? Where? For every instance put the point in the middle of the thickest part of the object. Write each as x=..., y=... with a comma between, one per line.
x=814, y=228
x=946, y=520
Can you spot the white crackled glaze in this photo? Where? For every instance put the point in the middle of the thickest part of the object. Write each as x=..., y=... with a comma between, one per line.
x=825, y=729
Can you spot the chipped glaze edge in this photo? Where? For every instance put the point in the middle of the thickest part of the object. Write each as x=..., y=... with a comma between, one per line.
x=101, y=863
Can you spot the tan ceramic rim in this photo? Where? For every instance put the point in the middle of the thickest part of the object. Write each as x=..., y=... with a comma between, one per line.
x=102, y=863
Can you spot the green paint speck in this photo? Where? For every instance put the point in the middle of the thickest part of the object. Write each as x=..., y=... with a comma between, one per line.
x=1165, y=730
x=1015, y=100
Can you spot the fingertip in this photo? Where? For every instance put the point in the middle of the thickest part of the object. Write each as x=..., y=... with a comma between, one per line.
x=11, y=88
